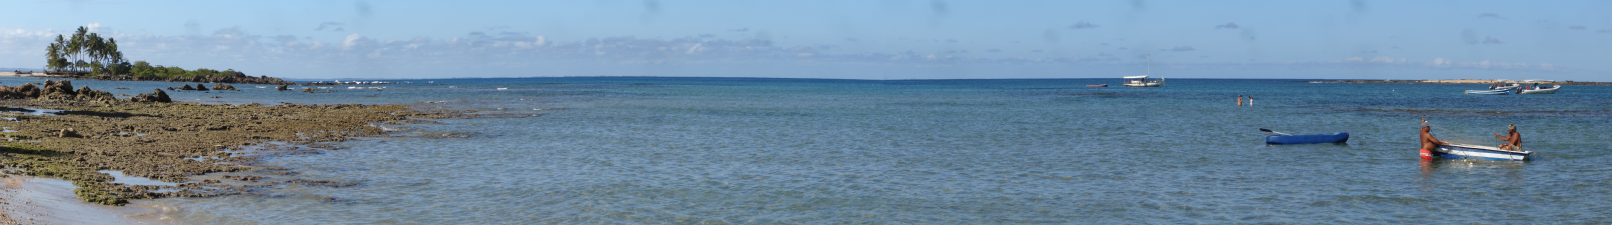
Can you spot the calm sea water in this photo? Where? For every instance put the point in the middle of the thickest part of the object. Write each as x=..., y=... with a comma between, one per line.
x=743, y=151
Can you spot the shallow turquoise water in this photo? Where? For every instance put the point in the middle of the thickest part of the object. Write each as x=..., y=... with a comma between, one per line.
x=740, y=150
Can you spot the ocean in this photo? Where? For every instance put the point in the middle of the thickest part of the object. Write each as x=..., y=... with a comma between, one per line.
x=816, y=151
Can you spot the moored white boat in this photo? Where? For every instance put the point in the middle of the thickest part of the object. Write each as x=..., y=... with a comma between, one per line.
x=1141, y=80
x=1489, y=92
x=1548, y=90
x=1463, y=151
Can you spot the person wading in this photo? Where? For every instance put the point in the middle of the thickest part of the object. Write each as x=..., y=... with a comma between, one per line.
x=1239, y=100
x=1513, y=139
x=1428, y=142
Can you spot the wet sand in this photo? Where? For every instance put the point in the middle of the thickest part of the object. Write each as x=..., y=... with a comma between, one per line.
x=33, y=200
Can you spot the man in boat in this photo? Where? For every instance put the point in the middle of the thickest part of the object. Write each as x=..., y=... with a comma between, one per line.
x=1428, y=142
x=1513, y=139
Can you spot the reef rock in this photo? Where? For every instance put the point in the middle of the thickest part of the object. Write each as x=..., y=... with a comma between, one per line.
x=224, y=87
x=282, y=88
x=64, y=87
x=85, y=93
x=200, y=87
x=155, y=96
x=19, y=92
x=186, y=88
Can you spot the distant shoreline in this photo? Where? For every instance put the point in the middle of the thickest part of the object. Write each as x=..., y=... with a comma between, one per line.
x=1463, y=81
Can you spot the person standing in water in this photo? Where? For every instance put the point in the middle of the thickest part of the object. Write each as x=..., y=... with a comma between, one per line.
x=1428, y=142
x=1250, y=100
x=1513, y=139
x=1239, y=100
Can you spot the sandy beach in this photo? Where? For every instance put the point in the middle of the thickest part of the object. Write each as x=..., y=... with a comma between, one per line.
x=15, y=74
x=34, y=200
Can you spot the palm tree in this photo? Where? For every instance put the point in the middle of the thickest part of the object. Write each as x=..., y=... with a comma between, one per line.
x=52, y=53
x=75, y=48
x=112, y=53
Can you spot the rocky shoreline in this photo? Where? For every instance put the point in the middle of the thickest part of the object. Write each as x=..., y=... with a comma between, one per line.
x=1462, y=81
x=233, y=79
x=150, y=136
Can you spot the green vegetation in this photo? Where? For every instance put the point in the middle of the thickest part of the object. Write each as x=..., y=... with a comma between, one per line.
x=143, y=69
x=87, y=53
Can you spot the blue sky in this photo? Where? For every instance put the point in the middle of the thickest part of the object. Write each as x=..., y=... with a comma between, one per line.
x=865, y=39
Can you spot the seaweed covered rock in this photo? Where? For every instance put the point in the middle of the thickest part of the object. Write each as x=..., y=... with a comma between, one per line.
x=200, y=87
x=19, y=92
x=154, y=96
x=69, y=132
x=85, y=93
x=224, y=87
x=64, y=87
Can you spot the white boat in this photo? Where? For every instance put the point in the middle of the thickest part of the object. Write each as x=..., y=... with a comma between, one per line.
x=1505, y=87
x=1489, y=92
x=1463, y=151
x=1537, y=90
x=1142, y=81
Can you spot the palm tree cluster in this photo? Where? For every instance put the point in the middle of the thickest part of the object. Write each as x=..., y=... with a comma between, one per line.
x=86, y=52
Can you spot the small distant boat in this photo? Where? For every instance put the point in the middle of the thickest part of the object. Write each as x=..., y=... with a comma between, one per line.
x=1462, y=151
x=1489, y=92
x=1097, y=85
x=1142, y=81
x=1307, y=139
x=503, y=89
x=1549, y=90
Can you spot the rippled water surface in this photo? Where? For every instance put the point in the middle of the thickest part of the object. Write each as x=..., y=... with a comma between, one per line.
x=717, y=150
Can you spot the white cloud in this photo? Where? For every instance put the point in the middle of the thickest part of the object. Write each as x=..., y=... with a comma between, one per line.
x=692, y=49
x=352, y=41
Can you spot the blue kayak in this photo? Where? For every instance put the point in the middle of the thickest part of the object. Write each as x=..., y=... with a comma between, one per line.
x=1307, y=139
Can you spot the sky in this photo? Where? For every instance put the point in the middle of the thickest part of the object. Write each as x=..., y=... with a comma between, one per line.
x=854, y=39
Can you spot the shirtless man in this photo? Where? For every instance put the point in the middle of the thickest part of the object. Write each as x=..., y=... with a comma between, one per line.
x=1239, y=100
x=1513, y=139
x=1428, y=142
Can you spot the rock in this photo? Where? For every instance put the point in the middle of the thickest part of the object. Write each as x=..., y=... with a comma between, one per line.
x=170, y=88
x=19, y=92
x=155, y=96
x=186, y=88
x=224, y=87
x=282, y=88
x=58, y=87
x=309, y=90
x=200, y=87
x=67, y=133
x=85, y=93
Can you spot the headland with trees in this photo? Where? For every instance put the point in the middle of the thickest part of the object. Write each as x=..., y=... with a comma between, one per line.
x=86, y=55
